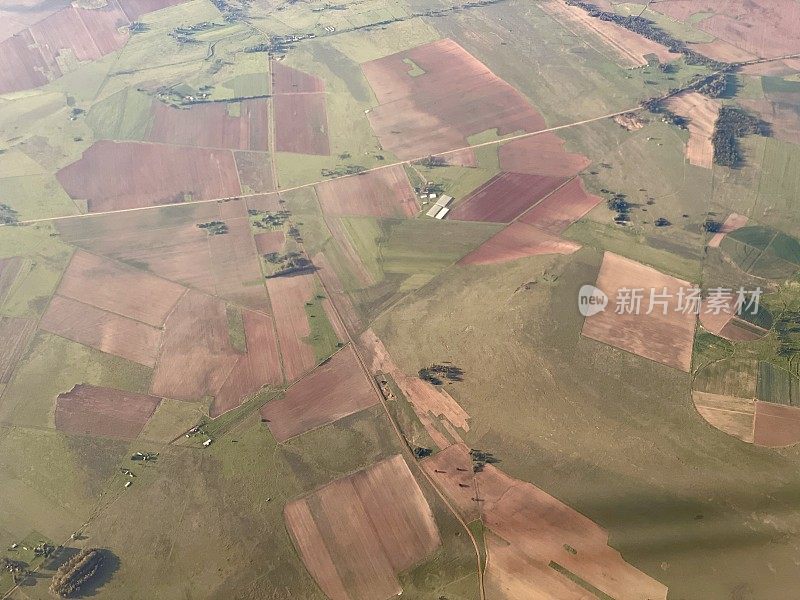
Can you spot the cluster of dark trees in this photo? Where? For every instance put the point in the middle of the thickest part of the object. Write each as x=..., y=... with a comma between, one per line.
x=269, y=220
x=421, y=452
x=436, y=374
x=279, y=44
x=655, y=105
x=185, y=35
x=8, y=216
x=230, y=12
x=618, y=202
x=288, y=264
x=647, y=28
x=76, y=572
x=732, y=124
x=715, y=85
x=481, y=458
x=712, y=226
x=138, y=27
x=214, y=227
x=343, y=170
x=432, y=161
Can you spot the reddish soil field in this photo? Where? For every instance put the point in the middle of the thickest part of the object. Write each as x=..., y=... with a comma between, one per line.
x=90, y=410
x=776, y=425
x=333, y=390
x=738, y=330
x=22, y=68
x=562, y=208
x=286, y=80
x=504, y=197
x=381, y=193
x=355, y=534
x=429, y=402
x=531, y=529
x=119, y=289
x=732, y=223
x=764, y=28
x=29, y=58
x=288, y=296
x=120, y=175
x=542, y=154
x=14, y=335
x=210, y=125
x=102, y=330
x=260, y=366
x=136, y=8
x=664, y=338
x=702, y=113
x=196, y=355
x=9, y=269
x=301, y=124
x=518, y=240
x=456, y=97
x=270, y=241
x=255, y=172
x=21, y=14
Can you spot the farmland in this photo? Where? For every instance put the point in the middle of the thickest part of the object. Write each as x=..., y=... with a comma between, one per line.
x=240, y=356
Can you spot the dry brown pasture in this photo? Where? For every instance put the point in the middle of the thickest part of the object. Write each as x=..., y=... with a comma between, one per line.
x=196, y=354
x=335, y=389
x=211, y=126
x=628, y=48
x=102, y=330
x=382, y=193
x=261, y=364
x=702, y=113
x=518, y=240
x=9, y=269
x=355, y=534
x=455, y=98
x=269, y=241
x=255, y=171
x=732, y=415
x=119, y=175
x=105, y=412
x=117, y=288
x=664, y=338
x=542, y=154
x=783, y=117
x=14, y=335
x=288, y=296
x=530, y=531
x=762, y=28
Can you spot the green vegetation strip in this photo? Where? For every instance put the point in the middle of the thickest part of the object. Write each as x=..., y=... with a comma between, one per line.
x=322, y=337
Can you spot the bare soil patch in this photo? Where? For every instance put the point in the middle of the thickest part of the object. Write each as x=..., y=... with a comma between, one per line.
x=776, y=425
x=335, y=389
x=383, y=193
x=702, y=113
x=102, y=330
x=664, y=338
x=106, y=412
x=120, y=175
x=504, y=197
x=732, y=415
x=288, y=296
x=556, y=212
x=516, y=241
x=357, y=533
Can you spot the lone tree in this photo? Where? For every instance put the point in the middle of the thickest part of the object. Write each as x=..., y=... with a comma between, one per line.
x=76, y=572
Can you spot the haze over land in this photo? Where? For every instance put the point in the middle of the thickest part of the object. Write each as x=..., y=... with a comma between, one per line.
x=293, y=299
